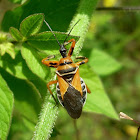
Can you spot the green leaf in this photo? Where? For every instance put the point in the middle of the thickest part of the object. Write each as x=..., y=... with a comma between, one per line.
x=16, y=34
x=102, y=63
x=58, y=14
x=33, y=61
x=19, y=69
x=47, y=43
x=7, y=47
x=27, y=100
x=31, y=25
x=19, y=129
x=97, y=101
x=15, y=67
x=6, y=108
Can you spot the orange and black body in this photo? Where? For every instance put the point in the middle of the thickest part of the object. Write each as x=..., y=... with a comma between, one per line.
x=71, y=89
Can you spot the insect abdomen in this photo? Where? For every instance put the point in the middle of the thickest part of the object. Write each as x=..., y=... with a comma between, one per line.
x=73, y=101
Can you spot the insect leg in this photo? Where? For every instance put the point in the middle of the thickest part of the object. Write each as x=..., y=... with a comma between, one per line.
x=88, y=90
x=48, y=86
x=83, y=61
x=49, y=63
x=72, y=47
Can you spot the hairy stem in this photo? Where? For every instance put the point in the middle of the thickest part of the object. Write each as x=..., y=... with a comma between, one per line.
x=46, y=120
x=84, y=13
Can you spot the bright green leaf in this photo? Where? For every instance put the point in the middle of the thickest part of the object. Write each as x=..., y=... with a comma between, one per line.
x=97, y=101
x=3, y=37
x=6, y=108
x=33, y=61
x=102, y=63
x=7, y=47
x=16, y=34
x=31, y=25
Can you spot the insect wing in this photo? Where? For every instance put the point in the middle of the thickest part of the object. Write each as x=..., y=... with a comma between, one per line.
x=73, y=102
x=63, y=85
x=76, y=83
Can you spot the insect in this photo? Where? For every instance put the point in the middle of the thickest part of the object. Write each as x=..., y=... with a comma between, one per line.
x=70, y=87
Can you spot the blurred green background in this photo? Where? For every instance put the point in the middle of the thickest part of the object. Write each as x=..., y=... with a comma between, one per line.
x=117, y=34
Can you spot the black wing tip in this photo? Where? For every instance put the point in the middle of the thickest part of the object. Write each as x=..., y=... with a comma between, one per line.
x=73, y=102
x=75, y=115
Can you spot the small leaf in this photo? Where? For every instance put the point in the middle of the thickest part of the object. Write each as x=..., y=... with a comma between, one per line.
x=97, y=101
x=31, y=25
x=6, y=108
x=33, y=61
x=16, y=34
x=7, y=47
x=102, y=63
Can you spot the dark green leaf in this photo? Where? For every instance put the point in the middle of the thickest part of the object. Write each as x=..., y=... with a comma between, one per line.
x=27, y=99
x=19, y=69
x=19, y=129
x=31, y=25
x=16, y=34
x=58, y=15
x=6, y=108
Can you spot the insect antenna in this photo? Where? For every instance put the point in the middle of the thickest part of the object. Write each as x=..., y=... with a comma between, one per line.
x=52, y=32
x=71, y=30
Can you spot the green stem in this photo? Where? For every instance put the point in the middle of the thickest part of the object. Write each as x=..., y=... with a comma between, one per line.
x=84, y=13
x=49, y=113
x=47, y=119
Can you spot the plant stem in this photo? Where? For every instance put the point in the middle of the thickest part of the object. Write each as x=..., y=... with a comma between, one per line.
x=138, y=133
x=46, y=120
x=84, y=13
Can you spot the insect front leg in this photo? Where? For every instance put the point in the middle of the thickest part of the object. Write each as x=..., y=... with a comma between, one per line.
x=85, y=60
x=88, y=90
x=72, y=47
x=49, y=63
x=48, y=86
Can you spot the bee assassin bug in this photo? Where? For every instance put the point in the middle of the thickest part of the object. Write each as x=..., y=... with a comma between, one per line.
x=70, y=87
